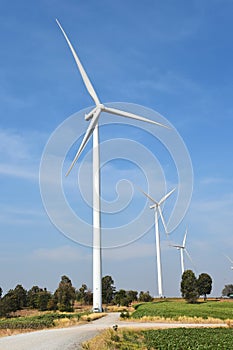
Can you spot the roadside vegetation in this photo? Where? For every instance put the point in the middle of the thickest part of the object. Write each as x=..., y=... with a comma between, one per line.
x=181, y=310
x=163, y=339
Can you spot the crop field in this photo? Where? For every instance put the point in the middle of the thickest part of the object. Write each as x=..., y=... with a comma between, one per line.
x=36, y=322
x=44, y=320
x=164, y=339
x=176, y=309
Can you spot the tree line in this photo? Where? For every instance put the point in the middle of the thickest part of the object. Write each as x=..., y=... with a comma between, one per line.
x=64, y=297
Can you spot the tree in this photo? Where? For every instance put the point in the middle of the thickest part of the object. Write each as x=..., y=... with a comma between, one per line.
x=8, y=304
x=204, y=284
x=120, y=298
x=88, y=299
x=65, y=295
x=145, y=296
x=0, y=293
x=132, y=295
x=124, y=298
x=80, y=294
x=32, y=297
x=189, y=287
x=43, y=300
x=107, y=289
x=227, y=290
x=84, y=295
x=21, y=296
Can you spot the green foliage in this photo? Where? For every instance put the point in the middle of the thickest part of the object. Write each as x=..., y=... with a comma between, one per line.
x=65, y=295
x=145, y=296
x=43, y=299
x=189, y=287
x=124, y=298
x=84, y=295
x=108, y=289
x=204, y=284
x=35, y=322
x=38, y=298
x=125, y=314
x=184, y=338
x=32, y=297
x=176, y=309
x=20, y=295
x=8, y=304
x=227, y=290
x=172, y=339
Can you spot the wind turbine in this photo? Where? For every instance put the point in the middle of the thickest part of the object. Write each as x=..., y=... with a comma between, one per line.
x=94, y=115
x=182, y=249
x=158, y=213
x=231, y=261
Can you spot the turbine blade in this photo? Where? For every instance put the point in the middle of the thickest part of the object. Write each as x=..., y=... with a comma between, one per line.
x=189, y=256
x=163, y=221
x=176, y=246
x=184, y=240
x=86, y=137
x=85, y=78
x=147, y=195
x=132, y=116
x=166, y=196
x=229, y=259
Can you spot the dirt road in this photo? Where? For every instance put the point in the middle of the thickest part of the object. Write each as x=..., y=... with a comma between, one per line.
x=72, y=337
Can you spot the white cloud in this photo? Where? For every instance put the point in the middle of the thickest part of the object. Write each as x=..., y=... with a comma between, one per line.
x=129, y=252
x=19, y=171
x=20, y=153
x=64, y=253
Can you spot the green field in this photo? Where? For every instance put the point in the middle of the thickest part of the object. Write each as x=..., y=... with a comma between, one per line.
x=166, y=339
x=175, y=309
x=35, y=322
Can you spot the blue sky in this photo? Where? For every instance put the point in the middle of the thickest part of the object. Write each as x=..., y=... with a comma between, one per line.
x=172, y=57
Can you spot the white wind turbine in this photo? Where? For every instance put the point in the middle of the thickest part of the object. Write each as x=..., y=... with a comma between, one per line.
x=158, y=213
x=94, y=115
x=231, y=261
x=181, y=248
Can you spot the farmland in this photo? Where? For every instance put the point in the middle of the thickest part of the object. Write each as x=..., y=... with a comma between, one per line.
x=176, y=310
x=38, y=321
x=164, y=339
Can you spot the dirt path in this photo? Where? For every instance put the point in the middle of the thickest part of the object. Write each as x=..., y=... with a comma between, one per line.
x=72, y=337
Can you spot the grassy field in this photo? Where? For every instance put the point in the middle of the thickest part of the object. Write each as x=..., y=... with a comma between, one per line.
x=164, y=339
x=176, y=310
x=20, y=324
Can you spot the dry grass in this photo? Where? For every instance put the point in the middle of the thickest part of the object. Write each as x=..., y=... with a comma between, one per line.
x=180, y=319
x=93, y=317
x=115, y=308
x=99, y=342
x=109, y=339
x=8, y=332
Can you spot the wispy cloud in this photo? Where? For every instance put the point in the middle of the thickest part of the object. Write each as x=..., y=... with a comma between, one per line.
x=64, y=253
x=20, y=153
x=129, y=252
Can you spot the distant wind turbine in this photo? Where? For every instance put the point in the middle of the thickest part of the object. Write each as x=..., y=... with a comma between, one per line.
x=182, y=249
x=94, y=115
x=158, y=213
x=231, y=261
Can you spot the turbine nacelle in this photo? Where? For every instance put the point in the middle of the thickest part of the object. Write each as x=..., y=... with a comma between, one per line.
x=89, y=115
x=154, y=206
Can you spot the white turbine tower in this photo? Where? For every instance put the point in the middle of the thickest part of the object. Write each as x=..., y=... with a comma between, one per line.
x=94, y=115
x=158, y=213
